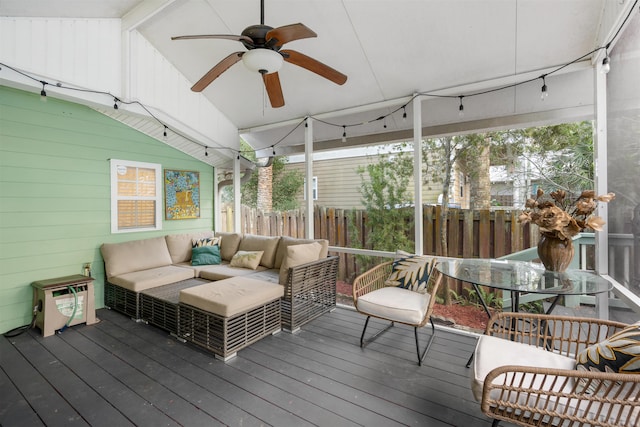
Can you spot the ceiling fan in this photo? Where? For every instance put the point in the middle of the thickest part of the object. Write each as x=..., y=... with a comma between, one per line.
x=264, y=55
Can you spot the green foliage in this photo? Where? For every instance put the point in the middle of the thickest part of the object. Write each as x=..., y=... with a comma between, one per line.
x=287, y=184
x=490, y=298
x=387, y=200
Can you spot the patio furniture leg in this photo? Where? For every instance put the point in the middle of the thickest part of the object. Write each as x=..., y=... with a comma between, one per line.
x=362, y=340
x=495, y=423
x=424, y=353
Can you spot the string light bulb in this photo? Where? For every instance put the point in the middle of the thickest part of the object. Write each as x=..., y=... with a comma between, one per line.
x=384, y=121
x=543, y=91
x=404, y=113
x=344, y=133
x=43, y=93
x=273, y=148
x=205, y=151
x=606, y=66
x=461, y=107
x=164, y=133
x=115, y=103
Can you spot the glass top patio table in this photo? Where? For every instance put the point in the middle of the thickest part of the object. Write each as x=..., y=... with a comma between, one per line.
x=520, y=277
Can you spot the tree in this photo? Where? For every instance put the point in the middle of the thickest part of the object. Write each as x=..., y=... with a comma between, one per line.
x=285, y=186
x=385, y=195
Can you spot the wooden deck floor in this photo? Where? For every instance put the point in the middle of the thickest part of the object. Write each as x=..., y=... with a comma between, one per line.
x=119, y=373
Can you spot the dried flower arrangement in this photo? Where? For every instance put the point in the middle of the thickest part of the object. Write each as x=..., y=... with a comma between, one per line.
x=561, y=217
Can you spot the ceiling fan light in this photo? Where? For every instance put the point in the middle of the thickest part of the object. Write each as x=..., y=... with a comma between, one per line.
x=262, y=60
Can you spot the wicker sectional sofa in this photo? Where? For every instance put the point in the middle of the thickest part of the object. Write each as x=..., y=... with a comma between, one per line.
x=153, y=280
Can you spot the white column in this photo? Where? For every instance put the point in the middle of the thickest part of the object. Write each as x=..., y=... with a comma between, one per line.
x=417, y=172
x=237, y=202
x=600, y=152
x=308, y=162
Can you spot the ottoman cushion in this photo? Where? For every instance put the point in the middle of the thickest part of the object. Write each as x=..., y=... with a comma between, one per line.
x=231, y=296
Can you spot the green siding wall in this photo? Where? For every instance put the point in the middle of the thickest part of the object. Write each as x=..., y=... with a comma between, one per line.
x=55, y=193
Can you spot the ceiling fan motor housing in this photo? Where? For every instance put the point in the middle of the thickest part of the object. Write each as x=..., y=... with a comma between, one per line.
x=257, y=33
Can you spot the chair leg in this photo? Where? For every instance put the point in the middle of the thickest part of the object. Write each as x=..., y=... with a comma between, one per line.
x=362, y=340
x=495, y=423
x=424, y=353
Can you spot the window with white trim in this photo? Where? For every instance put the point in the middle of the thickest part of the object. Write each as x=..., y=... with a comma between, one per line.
x=136, y=196
x=314, y=185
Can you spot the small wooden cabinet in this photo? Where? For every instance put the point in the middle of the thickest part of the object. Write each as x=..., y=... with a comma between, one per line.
x=59, y=299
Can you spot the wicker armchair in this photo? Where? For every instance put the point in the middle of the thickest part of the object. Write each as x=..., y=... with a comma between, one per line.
x=402, y=306
x=550, y=392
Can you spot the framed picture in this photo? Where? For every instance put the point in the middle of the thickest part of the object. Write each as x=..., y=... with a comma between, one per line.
x=181, y=194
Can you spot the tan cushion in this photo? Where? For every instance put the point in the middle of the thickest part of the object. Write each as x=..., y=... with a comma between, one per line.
x=246, y=259
x=267, y=244
x=492, y=352
x=397, y=304
x=298, y=255
x=286, y=241
x=229, y=244
x=231, y=296
x=138, y=281
x=225, y=271
x=179, y=245
x=135, y=255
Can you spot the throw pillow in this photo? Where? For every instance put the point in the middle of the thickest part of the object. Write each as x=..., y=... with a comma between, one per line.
x=618, y=353
x=206, y=241
x=205, y=255
x=411, y=273
x=298, y=255
x=246, y=259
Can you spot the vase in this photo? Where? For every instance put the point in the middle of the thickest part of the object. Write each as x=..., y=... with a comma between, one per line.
x=555, y=254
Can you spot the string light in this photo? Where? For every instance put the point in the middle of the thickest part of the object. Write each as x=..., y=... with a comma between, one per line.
x=164, y=133
x=43, y=93
x=344, y=133
x=115, y=103
x=543, y=90
x=384, y=121
x=461, y=107
x=205, y=151
x=606, y=66
x=404, y=113
x=274, y=149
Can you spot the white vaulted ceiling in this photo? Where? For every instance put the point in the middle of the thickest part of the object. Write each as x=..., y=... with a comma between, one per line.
x=389, y=49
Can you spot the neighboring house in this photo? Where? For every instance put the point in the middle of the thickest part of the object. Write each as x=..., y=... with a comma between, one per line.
x=337, y=182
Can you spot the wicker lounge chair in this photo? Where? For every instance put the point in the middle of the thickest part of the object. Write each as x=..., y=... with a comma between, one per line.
x=374, y=297
x=547, y=389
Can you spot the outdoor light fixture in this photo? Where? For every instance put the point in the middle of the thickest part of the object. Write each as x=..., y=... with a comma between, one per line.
x=606, y=67
x=543, y=91
x=264, y=61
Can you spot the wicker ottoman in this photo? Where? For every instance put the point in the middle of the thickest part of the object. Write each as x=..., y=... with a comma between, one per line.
x=228, y=315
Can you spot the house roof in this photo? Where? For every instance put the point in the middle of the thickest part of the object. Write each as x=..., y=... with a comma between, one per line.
x=491, y=52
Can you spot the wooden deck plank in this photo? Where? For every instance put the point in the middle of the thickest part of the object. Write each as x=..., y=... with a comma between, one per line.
x=49, y=406
x=137, y=374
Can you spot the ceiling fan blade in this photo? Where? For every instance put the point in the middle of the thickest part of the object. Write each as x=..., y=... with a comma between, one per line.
x=314, y=66
x=215, y=72
x=274, y=90
x=215, y=36
x=281, y=35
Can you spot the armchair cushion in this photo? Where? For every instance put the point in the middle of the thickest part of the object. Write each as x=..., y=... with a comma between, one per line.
x=493, y=352
x=619, y=353
x=297, y=255
x=396, y=304
x=411, y=272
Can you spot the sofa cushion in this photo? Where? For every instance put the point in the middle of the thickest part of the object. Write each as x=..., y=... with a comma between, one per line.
x=298, y=255
x=205, y=255
x=492, y=352
x=286, y=241
x=246, y=259
x=229, y=243
x=135, y=255
x=267, y=244
x=179, y=245
x=139, y=281
x=225, y=271
x=231, y=296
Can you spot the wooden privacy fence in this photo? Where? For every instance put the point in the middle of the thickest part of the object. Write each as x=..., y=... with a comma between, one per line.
x=471, y=234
